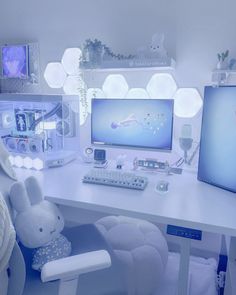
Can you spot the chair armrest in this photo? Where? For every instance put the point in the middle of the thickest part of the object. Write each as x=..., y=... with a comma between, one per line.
x=73, y=266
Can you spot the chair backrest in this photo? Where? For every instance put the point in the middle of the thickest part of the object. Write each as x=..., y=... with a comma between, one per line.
x=5, y=185
x=16, y=262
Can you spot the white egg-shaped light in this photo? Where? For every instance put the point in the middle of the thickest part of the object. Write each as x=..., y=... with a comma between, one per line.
x=137, y=93
x=28, y=162
x=94, y=93
x=55, y=75
x=38, y=164
x=115, y=86
x=18, y=161
x=161, y=86
x=11, y=160
x=71, y=60
x=188, y=102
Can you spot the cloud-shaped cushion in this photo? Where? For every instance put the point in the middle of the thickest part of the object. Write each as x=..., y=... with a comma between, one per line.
x=141, y=250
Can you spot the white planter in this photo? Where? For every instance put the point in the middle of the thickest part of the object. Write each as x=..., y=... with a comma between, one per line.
x=222, y=65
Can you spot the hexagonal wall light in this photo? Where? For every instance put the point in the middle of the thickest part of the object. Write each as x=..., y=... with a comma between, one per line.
x=71, y=60
x=73, y=85
x=94, y=93
x=137, y=93
x=188, y=102
x=115, y=86
x=161, y=86
x=55, y=75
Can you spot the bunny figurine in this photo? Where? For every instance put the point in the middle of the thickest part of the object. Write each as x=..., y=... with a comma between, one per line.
x=38, y=223
x=157, y=49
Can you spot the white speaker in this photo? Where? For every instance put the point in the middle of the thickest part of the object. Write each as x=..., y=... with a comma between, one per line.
x=88, y=155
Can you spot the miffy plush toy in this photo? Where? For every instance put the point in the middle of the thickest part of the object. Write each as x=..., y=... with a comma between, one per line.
x=38, y=223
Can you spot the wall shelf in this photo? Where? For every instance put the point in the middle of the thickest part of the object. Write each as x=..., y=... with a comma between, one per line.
x=220, y=77
x=170, y=67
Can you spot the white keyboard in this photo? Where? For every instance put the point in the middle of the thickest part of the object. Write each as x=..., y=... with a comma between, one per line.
x=116, y=178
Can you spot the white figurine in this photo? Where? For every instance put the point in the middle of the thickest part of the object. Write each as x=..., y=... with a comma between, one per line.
x=157, y=48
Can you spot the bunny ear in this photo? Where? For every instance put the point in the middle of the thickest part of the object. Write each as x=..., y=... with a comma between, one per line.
x=34, y=190
x=162, y=37
x=19, y=198
x=157, y=38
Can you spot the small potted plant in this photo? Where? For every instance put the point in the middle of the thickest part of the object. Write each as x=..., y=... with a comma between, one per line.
x=222, y=60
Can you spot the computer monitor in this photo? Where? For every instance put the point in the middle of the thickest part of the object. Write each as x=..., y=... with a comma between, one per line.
x=15, y=61
x=135, y=123
x=217, y=160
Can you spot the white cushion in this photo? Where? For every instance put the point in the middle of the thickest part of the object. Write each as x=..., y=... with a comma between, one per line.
x=141, y=250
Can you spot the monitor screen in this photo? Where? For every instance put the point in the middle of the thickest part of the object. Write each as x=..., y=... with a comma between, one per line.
x=217, y=161
x=139, y=123
x=14, y=61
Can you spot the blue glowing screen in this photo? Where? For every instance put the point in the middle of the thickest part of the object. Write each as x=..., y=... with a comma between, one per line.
x=141, y=123
x=217, y=161
x=15, y=61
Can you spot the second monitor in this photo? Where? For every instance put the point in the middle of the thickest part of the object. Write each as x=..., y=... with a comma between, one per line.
x=138, y=123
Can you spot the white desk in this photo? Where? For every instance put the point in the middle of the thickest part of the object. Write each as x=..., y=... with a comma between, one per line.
x=188, y=203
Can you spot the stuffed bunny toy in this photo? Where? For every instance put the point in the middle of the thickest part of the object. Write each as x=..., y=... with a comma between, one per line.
x=38, y=223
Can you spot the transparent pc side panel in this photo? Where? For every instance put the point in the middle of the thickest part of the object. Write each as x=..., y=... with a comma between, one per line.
x=37, y=133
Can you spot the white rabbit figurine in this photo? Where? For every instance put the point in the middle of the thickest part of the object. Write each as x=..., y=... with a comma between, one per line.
x=38, y=223
x=155, y=50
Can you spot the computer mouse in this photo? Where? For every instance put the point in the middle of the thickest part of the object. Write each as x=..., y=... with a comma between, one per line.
x=162, y=186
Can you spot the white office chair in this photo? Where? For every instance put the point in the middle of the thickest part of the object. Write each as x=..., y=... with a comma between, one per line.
x=91, y=269
x=12, y=274
x=90, y=262
x=86, y=258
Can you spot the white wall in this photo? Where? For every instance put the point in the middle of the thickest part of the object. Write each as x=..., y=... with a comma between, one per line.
x=195, y=30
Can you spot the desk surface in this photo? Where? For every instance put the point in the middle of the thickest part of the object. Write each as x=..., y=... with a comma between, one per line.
x=188, y=203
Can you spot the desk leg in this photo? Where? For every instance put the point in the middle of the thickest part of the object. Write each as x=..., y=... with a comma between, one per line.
x=183, y=280
x=230, y=284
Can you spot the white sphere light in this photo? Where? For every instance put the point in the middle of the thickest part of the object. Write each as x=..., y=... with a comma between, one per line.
x=71, y=60
x=161, y=86
x=137, y=93
x=115, y=86
x=55, y=75
x=188, y=102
